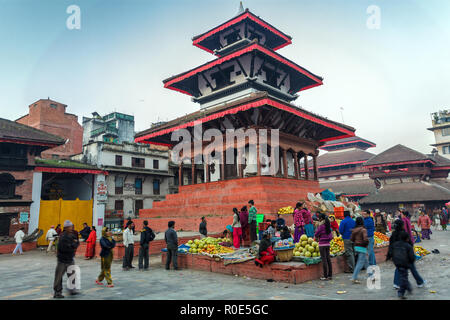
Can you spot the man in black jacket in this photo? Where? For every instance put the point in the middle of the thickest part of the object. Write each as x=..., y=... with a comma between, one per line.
x=202, y=228
x=67, y=246
x=85, y=232
x=172, y=245
x=147, y=235
x=403, y=256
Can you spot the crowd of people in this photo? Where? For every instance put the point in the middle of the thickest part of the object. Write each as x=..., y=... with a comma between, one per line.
x=357, y=234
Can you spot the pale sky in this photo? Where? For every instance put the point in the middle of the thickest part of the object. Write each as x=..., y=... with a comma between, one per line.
x=388, y=81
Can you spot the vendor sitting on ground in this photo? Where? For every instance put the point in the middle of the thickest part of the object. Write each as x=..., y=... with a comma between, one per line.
x=266, y=253
x=281, y=223
x=272, y=228
x=334, y=226
x=285, y=233
x=228, y=235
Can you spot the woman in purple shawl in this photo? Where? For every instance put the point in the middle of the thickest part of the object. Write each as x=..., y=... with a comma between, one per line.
x=243, y=215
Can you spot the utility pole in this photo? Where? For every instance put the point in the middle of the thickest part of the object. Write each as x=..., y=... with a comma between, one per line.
x=342, y=114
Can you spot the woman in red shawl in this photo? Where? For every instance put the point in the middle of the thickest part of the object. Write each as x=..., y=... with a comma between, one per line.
x=90, y=244
x=334, y=226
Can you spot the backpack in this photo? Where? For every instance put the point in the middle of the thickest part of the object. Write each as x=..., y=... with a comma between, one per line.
x=150, y=235
x=400, y=255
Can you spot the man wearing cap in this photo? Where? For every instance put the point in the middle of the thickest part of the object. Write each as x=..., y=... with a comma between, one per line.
x=67, y=246
x=51, y=236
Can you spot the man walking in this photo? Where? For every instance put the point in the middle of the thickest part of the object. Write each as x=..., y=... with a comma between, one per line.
x=172, y=245
x=19, y=239
x=147, y=235
x=128, y=242
x=370, y=226
x=252, y=220
x=51, y=236
x=345, y=229
x=67, y=246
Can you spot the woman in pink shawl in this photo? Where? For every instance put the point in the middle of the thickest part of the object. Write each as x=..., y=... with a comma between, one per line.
x=407, y=224
x=298, y=221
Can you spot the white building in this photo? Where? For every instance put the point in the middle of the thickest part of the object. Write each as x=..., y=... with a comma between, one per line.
x=441, y=129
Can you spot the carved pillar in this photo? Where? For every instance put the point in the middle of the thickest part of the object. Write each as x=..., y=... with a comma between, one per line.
x=296, y=166
x=316, y=173
x=285, y=163
x=180, y=173
x=239, y=164
x=306, y=167
x=258, y=162
x=222, y=166
x=194, y=176
x=207, y=178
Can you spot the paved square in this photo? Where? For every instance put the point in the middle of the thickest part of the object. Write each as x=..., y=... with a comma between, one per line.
x=30, y=276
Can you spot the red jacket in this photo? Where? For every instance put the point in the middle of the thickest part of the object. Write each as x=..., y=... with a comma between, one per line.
x=424, y=222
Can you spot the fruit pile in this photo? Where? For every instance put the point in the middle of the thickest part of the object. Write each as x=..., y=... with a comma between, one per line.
x=381, y=240
x=381, y=236
x=337, y=245
x=420, y=251
x=306, y=247
x=286, y=210
x=208, y=245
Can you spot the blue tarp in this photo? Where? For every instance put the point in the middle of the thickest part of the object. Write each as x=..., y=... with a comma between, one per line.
x=328, y=195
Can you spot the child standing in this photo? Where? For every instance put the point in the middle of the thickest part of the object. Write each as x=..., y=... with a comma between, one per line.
x=403, y=256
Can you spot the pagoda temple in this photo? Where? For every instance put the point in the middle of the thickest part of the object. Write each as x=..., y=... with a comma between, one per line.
x=248, y=86
x=342, y=170
x=408, y=179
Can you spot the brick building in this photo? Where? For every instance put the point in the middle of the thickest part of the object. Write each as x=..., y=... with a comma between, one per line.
x=19, y=145
x=50, y=116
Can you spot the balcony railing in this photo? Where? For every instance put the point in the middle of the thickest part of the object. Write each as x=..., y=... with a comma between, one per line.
x=102, y=130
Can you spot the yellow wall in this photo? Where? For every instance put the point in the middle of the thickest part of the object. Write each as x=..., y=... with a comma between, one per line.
x=54, y=212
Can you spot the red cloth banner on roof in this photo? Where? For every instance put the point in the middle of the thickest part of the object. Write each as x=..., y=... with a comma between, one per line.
x=238, y=53
x=69, y=170
x=196, y=42
x=248, y=106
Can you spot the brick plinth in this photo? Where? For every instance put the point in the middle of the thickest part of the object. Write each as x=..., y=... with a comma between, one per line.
x=291, y=272
x=9, y=248
x=118, y=252
x=216, y=200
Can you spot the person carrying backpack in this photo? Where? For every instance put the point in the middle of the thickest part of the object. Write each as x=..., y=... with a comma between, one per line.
x=147, y=235
x=402, y=254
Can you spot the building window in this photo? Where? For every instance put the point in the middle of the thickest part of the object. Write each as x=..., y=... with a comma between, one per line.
x=118, y=160
x=446, y=132
x=138, y=186
x=155, y=164
x=446, y=149
x=119, y=185
x=138, y=205
x=54, y=106
x=118, y=205
x=7, y=186
x=138, y=162
x=156, y=186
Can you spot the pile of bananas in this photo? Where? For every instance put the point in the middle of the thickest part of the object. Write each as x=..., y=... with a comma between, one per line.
x=286, y=210
x=337, y=245
x=420, y=251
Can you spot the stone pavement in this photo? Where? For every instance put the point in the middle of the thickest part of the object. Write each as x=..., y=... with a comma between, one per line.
x=30, y=276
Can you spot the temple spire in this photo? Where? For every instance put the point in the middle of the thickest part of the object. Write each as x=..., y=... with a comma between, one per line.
x=241, y=8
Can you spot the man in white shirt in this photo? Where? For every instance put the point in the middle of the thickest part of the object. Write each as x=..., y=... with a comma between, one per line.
x=128, y=242
x=19, y=239
x=51, y=236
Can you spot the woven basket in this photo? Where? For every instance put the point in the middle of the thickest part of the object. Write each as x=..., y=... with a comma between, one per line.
x=285, y=255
